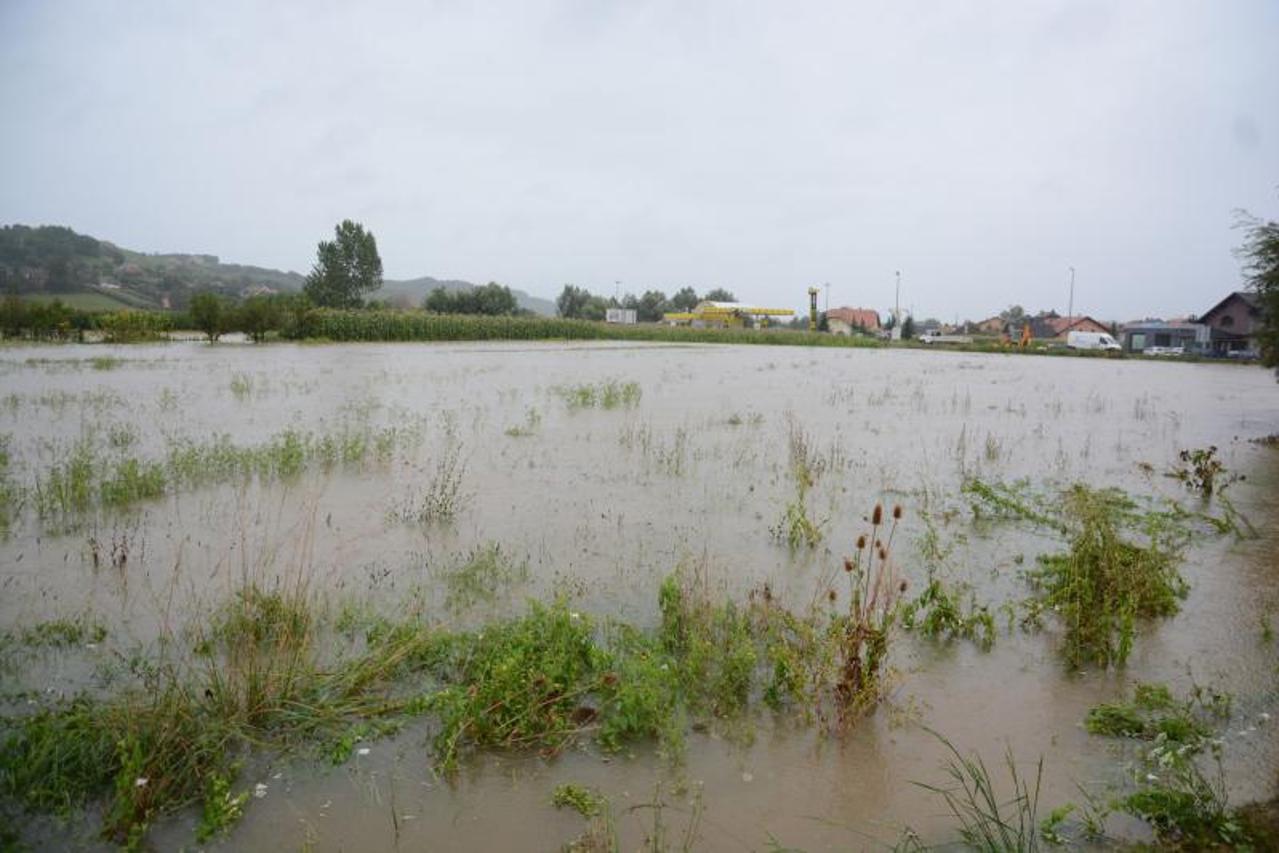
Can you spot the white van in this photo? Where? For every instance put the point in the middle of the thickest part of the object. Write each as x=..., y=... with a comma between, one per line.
x=1091, y=340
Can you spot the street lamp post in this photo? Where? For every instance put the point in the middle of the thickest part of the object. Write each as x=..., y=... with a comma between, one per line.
x=1070, y=306
x=897, y=308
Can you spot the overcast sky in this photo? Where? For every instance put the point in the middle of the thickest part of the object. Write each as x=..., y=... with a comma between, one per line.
x=981, y=148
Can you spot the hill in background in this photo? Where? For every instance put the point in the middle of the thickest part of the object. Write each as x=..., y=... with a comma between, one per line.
x=50, y=261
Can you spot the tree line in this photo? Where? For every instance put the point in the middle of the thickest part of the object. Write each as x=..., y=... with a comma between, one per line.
x=577, y=303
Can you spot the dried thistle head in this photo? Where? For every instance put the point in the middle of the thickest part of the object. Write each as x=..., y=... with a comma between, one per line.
x=848, y=565
x=877, y=517
x=861, y=542
x=883, y=554
x=903, y=585
x=831, y=594
x=897, y=512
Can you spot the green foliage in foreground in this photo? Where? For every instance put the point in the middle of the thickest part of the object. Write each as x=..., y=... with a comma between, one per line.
x=987, y=819
x=539, y=682
x=1154, y=713
x=1185, y=807
x=1120, y=567
x=1260, y=251
x=1104, y=584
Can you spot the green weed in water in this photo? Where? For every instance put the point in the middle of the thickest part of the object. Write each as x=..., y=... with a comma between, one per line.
x=132, y=480
x=63, y=632
x=11, y=494
x=940, y=612
x=987, y=819
x=586, y=801
x=1202, y=471
x=241, y=386
x=532, y=420
x=1154, y=713
x=67, y=490
x=1187, y=809
x=1104, y=585
x=443, y=498
x=222, y=809
x=610, y=394
x=481, y=576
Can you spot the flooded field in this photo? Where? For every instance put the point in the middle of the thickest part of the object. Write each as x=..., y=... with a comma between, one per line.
x=147, y=486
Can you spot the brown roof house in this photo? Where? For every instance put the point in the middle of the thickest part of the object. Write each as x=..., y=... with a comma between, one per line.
x=1233, y=324
x=989, y=326
x=846, y=321
x=1051, y=327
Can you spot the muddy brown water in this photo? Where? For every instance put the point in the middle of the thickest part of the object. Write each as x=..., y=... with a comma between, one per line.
x=603, y=504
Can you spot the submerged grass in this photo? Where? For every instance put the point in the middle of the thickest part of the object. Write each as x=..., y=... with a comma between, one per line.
x=85, y=477
x=265, y=672
x=60, y=633
x=479, y=578
x=443, y=499
x=1153, y=713
x=11, y=495
x=609, y=394
x=584, y=800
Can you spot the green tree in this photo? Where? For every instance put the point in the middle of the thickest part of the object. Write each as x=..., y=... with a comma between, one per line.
x=492, y=299
x=1260, y=253
x=596, y=308
x=908, y=328
x=209, y=314
x=719, y=294
x=346, y=268
x=651, y=306
x=685, y=299
x=572, y=301
x=259, y=315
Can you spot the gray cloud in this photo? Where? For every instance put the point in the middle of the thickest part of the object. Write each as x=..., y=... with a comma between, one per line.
x=982, y=149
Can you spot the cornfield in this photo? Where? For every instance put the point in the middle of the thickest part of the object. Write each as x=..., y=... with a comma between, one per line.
x=336, y=325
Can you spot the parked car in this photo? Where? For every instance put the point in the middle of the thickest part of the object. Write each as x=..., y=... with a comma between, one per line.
x=1091, y=340
x=935, y=337
x=1164, y=351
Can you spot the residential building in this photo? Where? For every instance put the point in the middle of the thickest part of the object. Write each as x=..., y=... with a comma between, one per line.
x=1157, y=337
x=1234, y=323
x=847, y=321
x=990, y=326
x=1053, y=327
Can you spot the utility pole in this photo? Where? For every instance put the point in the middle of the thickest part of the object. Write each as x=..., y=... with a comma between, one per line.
x=897, y=308
x=827, y=286
x=1070, y=310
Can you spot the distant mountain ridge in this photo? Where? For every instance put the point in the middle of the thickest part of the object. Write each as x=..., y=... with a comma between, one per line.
x=53, y=261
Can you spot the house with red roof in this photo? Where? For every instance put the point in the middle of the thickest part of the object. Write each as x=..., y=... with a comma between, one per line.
x=847, y=321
